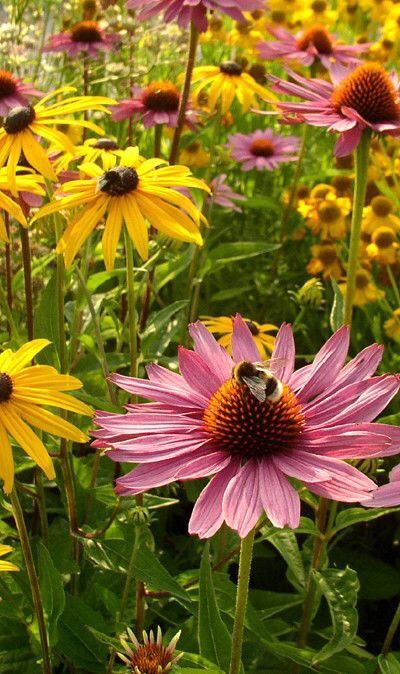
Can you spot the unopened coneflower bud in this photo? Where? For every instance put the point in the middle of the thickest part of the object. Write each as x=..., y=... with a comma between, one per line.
x=140, y=515
x=151, y=656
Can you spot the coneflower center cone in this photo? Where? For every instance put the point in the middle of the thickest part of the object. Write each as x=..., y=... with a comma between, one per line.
x=118, y=181
x=317, y=36
x=86, y=31
x=6, y=387
x=262, y=148
x=243, y=426
x=161, y=97
x=151, y=659
x=8, y=85
x=370, y=92
x=19, y=118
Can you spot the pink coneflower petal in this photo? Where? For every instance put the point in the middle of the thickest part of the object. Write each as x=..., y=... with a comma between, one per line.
x=278, y=497
x=327, y=364
x=284, y=349
x=197, y=373
x=151, y=390
x=211, y=352
x=242, y=504
x=243, y=345
x=207, y=516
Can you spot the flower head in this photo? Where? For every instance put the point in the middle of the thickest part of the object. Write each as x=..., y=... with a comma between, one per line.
x=158, y=103
x=392, y=325
x=365, y=291
x=326, y=216
x=194, y=155
x=86, y=36
x=223, y=195
x=224, y=325
x=4, y=565
x=134, y=191
x=13, y=92
x=325, y=261
x=206, y=422
x=380, y=214
x=358, y=99
x=384, y=247
x=312, y=44
x=186, y=11
x=263, y=150
x=150, y=657
x=24, y=389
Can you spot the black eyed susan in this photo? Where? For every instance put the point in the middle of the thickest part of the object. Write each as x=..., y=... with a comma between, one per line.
x=4, y=564
x=136, y=192
x=226, y=81
x=223, y=325
x=24, y=389
x=92, y=150
x=25, y=182
x=24, y=123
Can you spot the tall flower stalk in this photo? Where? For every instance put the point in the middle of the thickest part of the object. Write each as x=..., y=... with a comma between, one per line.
x=246, y=554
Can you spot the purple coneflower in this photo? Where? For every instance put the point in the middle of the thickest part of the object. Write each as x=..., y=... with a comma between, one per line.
x=193, y=10
x=158, y=103
x=357, y=99
x=223, y=195
x=309, y=45
x=263, y=149
x=204, y=422
x=85, y=36
x=14, y=92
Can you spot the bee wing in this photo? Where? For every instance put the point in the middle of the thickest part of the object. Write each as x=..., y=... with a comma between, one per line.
x=271, y=364
x=256, y=386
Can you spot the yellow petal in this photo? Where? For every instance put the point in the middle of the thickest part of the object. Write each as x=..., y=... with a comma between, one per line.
x=52, y=399
x=6, y=463
x=136, y=226
x=112, y=232
x=49, y=422
x=26, y=353
x=26, y=438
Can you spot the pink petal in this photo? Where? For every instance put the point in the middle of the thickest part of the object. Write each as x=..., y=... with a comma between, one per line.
x=162, y=394
x=208, y=348
x=327, y=364
x=346, y=484
x=241, y=503
x=207, y=462
x=284, y=349
x=300, y=465
x=150, y=475
x=197, y=373
x=348, y=141
x=279, y=498
x=243, y=345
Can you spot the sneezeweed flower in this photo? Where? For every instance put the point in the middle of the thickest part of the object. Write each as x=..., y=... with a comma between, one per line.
x=327, y=217
x=380, y=214
x=245, y=35
x=384, y=247
x=392, y=325
x=195, y=11
x=310, y=45
x=87, y=37
x=224, y=83
x=14, y=91
x=27, y=184
x=24, y=389
x=205, y=422
x=150, y=657
x=194, y=155
x=366, y=290
x=223, y=195
x=325, y=261
x=23, y=124
x=4, y=564
x=158, y=103
x=362, y=98
x=215, y=31
x=133, y=191
x=224, y=326
x=263, y=150
x=315, y=12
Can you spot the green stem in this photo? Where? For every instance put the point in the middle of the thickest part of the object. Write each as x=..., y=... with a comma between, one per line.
x=130, y=282
x=158, y=129
x=26, y=259
x=8, y=262
x=360, y=188
x=394, y=284
x=41, y=505
x=193, y=40
x=8, y=314
x=393, y=627
x=246, y=554
x=33, y=579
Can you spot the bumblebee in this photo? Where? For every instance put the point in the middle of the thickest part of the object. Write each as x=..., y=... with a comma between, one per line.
x=259, y=379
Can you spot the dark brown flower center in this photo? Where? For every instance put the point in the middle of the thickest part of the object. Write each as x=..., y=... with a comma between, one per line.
x=318, y=37
x=381, y=206
x=262, y=148
x=8, y=84
x=193, y=148
x=19, y=118
x=86, y=31
x=258, y=72
x=215, y=24
x=161, y=97
x=383, y=237
x=118, y=181
x=243, y=426
x=105, y=144
x=370, y=92
x=342, y=184
x=231, y=68
x=362, y=279
x=252, y=327
x=303, y=191
x=6, y=387
x=278, y=16
x=319, y=6
x=327, y=255
x=329, y=212
x=243, y=27
x=257, y=14
x=150, y=659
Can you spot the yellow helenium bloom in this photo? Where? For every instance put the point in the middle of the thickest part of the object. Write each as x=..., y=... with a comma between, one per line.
x=326, y=216
x=366, y=291
x=92, y=150
x=245, y=35
x=379, y=214
x=136, y=192
x=224, y=325
x=325, y=261
x=23, y=123
x=383, y=248
x=226, y=81
x=316, y=12
x=392, y=325
x=194, y=155
x=4, y=565
x=24, y=389
x=25, y=182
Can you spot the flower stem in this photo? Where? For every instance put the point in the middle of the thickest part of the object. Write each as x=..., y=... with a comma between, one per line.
x=8, y=261
x=360, y=188
x=131, y=295
x=33, y=579
x=193, y=40
x=26, y=259
x=393, y=282
x=246, y=554
x=393, y=627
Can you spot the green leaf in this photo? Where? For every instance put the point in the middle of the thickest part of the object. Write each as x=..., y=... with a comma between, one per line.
x=75, y=639
x=46, y=323
x=286, y=544
x=150, y=570
x=16, y=654
x=226, y=253
x=260, y=201
x=52, y=591
x=340, y=588
x=105, y=639
x=351, y=516
x=214, y=637
x=158, y=327
x=389, y=664
x=337, y=312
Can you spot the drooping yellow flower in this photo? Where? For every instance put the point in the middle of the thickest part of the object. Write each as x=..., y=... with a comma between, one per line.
x=92, y=150
x=379, y=214
x=392, y=325
x=25, y=182
x=194, y=155
x=327, y=216
x=24, y=389
x=215, y=32
x=366, y=291
x=223, y=325
x=316, y=11
x=4, y=564
x=325, y=260
x=24, y=123
x=226, y=81
x=383, y=248
x=136, y=192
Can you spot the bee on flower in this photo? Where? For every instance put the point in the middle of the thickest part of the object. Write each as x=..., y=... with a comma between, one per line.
x=223, y=325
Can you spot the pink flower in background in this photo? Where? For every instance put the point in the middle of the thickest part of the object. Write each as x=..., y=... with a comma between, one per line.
x=158, y=103
x=357, y=99
x=203, y=422
x=310, y=45
x=263, y=149
x=389, y=494
x=223, y=195
x=14, y=92
x=186, y=11
x=85, y=36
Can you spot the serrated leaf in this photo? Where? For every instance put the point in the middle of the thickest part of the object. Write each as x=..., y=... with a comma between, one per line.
x=214, y=637
x=336, y=317
x=286, y=544
x=340, y=589
x=52, y=592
